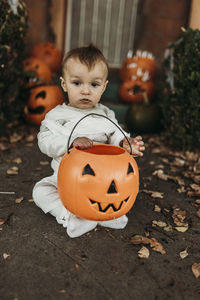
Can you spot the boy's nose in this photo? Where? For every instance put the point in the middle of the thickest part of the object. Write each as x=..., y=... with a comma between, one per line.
x=85, y=90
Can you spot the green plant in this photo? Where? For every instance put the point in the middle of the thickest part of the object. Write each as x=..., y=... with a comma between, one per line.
x=13, y=27
x=180, y=101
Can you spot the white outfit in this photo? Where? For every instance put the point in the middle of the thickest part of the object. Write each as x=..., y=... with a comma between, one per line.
x=52, y=140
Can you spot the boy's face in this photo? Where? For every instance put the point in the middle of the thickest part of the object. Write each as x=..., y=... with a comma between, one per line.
x=84, y=87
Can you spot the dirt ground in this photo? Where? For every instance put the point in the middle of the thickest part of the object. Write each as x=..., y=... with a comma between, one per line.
x=39, y=261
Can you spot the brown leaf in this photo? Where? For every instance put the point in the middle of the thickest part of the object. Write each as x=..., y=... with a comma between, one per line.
x=198, y=213
x=19, y=200
x=156, y=246
x=143, y=252
x=44, y=163
x=178, y=162
x=62, y=291
x=159, y=223
x=183, y=254
x=182, y=228
x=195, y=187
x=196, y=269
x=139, y=239
x=160, y=174
x=3, y=147
x=179, y=217
x=13, y=171
x=17, y=160
x=15, y=138
x=157, y=208
x=30, y=138
x=153, y=193
x=29, y=144
x=5, y=255
x=2, y=221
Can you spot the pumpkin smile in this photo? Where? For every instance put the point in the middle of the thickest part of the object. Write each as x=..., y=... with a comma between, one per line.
x=111, y=207
x=38, y=110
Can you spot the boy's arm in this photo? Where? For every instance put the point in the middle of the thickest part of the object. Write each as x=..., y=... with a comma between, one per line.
x=52, y=144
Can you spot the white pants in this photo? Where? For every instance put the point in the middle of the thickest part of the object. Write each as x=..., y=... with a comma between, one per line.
x=45, y=195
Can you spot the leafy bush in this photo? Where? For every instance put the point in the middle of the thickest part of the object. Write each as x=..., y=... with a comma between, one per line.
x=180, y=101
x=13, y=27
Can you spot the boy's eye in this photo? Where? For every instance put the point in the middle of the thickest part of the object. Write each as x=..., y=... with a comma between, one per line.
x=94, y=84
x=76, y=82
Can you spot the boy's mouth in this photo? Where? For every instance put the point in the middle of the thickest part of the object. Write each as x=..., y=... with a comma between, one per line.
x=85, y=101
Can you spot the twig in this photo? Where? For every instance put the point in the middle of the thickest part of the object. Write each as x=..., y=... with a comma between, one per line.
x=9, y=193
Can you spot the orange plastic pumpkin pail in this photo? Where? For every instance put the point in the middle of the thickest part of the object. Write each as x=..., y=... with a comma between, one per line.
x=99, y=183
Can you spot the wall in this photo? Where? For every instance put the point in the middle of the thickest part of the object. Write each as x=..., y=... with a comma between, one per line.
x=159, y=22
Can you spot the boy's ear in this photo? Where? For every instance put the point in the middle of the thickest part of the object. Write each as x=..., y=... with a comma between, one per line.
x=105, y=85
x=62, y=81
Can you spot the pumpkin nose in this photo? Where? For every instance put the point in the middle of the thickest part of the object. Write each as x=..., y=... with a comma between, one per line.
x=112, y=188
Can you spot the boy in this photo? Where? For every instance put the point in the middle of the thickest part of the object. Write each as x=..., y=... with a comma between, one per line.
x=84, y=79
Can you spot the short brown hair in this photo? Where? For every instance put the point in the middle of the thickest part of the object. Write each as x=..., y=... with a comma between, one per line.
x=87, y=55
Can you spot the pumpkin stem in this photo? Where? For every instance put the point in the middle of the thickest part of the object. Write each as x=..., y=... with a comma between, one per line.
x=146, y=98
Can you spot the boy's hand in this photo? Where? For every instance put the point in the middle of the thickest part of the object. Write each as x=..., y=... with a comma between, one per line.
x=137, y=145
x=82, y=143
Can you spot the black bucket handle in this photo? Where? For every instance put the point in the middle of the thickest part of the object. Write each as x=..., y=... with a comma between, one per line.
x=95, y=114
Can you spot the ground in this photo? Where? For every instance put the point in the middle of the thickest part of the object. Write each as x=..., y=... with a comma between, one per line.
x=155, y=257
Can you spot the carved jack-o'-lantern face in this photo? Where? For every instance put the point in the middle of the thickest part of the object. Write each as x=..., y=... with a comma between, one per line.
x=99, y=183
x=37, y=71
x=136, y=90
x=140, y=67
x=41, y=100
x=48, y=53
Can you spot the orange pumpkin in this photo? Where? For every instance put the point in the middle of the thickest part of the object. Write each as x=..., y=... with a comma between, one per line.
x=41, y=100
x=129, y=64
x=99, y=183
x=136, y=90
x=36, y=71
x=48, y=53
x=142, y=66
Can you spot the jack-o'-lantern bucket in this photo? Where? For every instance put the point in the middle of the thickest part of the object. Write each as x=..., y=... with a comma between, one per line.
x=99, y=183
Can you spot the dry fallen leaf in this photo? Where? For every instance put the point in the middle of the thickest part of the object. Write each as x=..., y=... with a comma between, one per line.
x=6, y=255
x=155, y=245
x=139, y=239
x=181, y=228
x=3, y=147
x=178, y=162
x=160, y=174
x=2, y=221
x=198, y=213
x=30, y=138
x=179, y=217
x=13, y=171
x=143, y=252
x=168, y=228
x=77, y=266
x=159, y=223
x=44, y=163
x=62, y=291
x=157, y=208
x=15, y=138
x=195, y=187
x=17, y=160
x=19, y=200
x=183, y=254
x=196, y=269
x=153, y=193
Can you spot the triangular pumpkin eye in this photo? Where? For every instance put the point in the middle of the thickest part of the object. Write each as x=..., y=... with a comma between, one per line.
x=88, y=170
x=130, y=169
